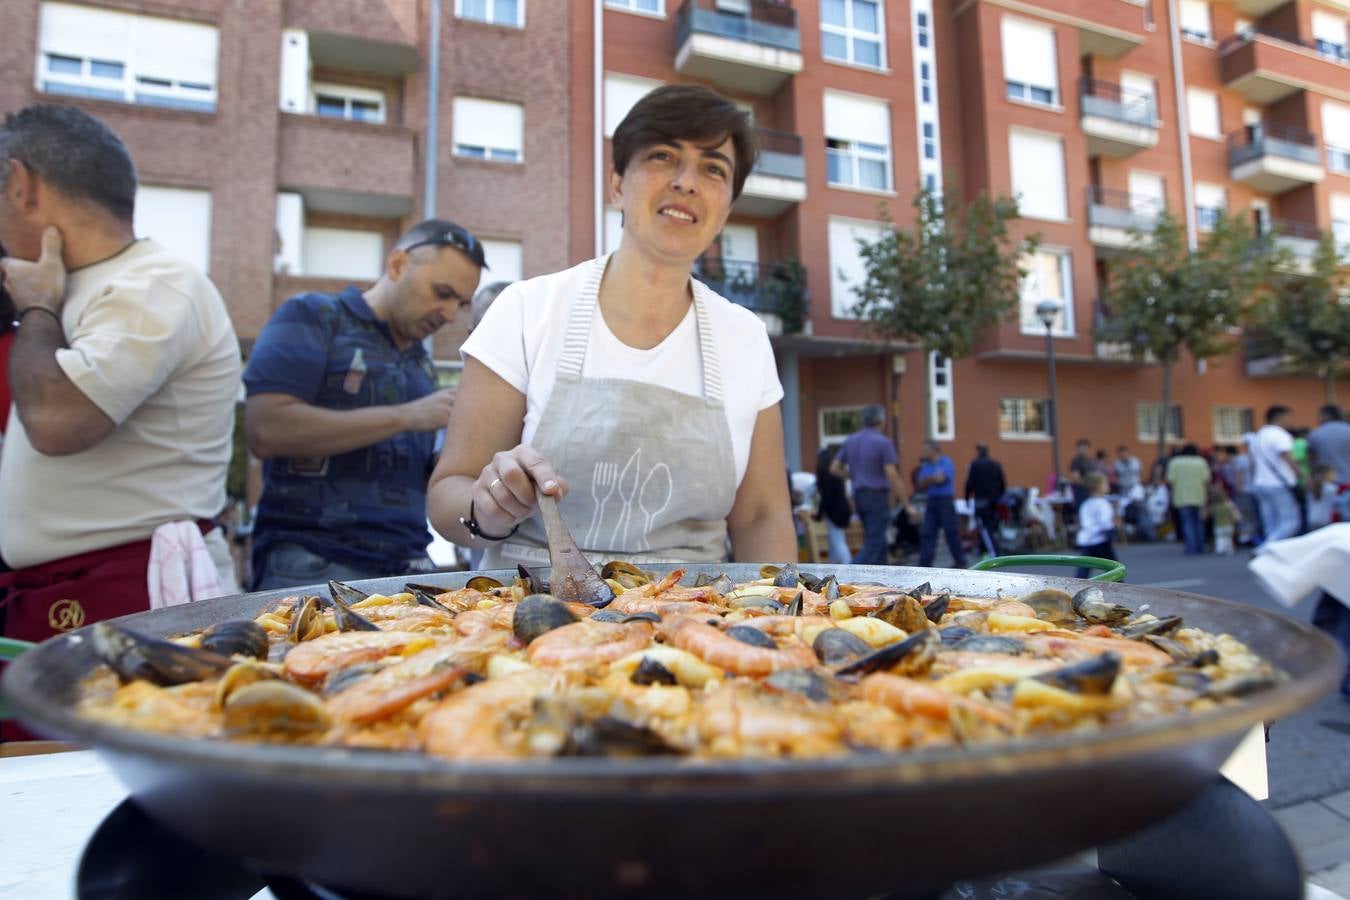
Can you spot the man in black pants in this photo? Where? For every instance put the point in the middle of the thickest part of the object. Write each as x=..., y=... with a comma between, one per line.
x=985, y=485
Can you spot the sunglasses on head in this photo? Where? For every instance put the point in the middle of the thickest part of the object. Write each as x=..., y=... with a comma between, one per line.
x=458, y=238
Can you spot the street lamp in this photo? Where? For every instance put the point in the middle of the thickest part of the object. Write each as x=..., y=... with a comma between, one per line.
x=1047, y=311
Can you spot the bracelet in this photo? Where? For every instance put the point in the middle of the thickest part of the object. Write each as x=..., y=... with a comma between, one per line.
x=25, y=311
x=471, y=524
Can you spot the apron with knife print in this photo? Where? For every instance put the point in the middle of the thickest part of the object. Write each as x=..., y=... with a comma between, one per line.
x=650, y=470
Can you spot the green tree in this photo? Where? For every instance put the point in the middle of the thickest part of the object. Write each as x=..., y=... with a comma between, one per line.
x=946, y=281
x=1305, y=320
x=1163, y=298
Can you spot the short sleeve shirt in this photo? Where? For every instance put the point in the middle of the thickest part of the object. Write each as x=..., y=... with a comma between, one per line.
x=367, y=506
x=944, y=466
x=867, y=453
x=1331, y=442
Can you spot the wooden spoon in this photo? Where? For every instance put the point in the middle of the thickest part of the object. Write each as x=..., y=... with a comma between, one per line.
x=574, y=578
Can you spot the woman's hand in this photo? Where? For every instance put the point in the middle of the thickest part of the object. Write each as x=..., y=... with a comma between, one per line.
x=504, y=491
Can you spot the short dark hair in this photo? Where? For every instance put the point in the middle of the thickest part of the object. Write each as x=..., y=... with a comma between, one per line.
x=982, y=450
x=1274, y=412
x=72, y=152
x=687, y=112
x=443, y=233
x=1190, y=450
x=873, y=414
x=1081, y=441
x=1331, y=412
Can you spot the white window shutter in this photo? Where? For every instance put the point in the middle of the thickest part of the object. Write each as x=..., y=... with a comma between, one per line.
x=175, y=50
x=1329, y=28
x=178, y=219
x=344, y=253
x=1029, y=54
x=850, y=117
x=489, y=123
x=1146, y=192
x=1211, y=196
x=1203, y=112
x=1336, y=125
x=295, y=70
x=505, y=261
x=621, y=93
x=1195, y=17
x=1038, y=175
x=289, y=257
x=846, y=264
x=70, y=30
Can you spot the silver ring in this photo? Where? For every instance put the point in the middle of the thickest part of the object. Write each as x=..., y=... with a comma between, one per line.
x=495, y=482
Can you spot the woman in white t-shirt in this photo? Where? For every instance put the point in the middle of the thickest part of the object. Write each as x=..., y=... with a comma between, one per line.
x=650, y=398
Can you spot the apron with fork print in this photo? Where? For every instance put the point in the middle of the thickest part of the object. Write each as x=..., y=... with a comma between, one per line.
x=650, y=469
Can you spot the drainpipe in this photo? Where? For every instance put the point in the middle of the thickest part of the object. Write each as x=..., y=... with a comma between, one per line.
x=430, y=163
x=1183, y=125
x=598, y=108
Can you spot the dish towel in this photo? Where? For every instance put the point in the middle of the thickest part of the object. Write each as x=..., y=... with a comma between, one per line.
x=1296, y=568
x=181, y=569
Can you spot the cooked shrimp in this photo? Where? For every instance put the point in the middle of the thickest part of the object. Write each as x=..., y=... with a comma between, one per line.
x=477, y=621
x=737, y=720
x=406, y=617
x=632, y=602
x=720, y=649
x=480, y=722
x=905, y=695
x=1071, y=646
x=314, y=660
x=587, y=643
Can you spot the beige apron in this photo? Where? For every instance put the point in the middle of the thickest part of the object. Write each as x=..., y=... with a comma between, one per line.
x=650, y=471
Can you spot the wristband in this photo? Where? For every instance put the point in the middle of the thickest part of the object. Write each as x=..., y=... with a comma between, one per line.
x=471, y=524
x=39, y=308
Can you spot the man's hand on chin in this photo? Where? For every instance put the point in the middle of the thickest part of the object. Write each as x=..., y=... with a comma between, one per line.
x=41, y=283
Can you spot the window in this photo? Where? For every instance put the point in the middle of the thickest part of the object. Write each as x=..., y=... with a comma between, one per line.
x=1231, y=423
x=921, y=33
x=857, y=141
x=1329, y=35
x=494, y=12
x=1038, y=175
x=178, y=219
x=1202, y=113
x=355, y=104
x=489, y=129
x=1336, y=133
x=1140, y=95
x=655, y=7
x=846, y=264
x=929, y=144
x=1023, y=418
x=1195, y=20
x=1029, y=69
x=1340, y=222
x=1049, y=277
x=838, y=422
x=925, y=83
x=344, y=253
x=107, y=55
x=941, y=396
x=288, y=252
x=1210, y=202
x=851, y=32
x=1146, y=418
x=621, y=92
x=504, y=259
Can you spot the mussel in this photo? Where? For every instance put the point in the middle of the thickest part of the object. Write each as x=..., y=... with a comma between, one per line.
x=274, y=707
x=752, y=601
x=1092, y=605
x=648, y=616
x=612, y=736
x=608, y=615
x=808, y=683
x=923, y=590
x=914, y=655
x=160, y=662
x=906, y=613
x=828, y=588
x=483, y=584
x=626, y=574
x=236, y=637
x=425, y=595
x=344, y=616
x=835, y=646
x=306, y=619
x=531, y=580
x=721, y=582
x=1239, y=686
x=538, y=614
x=794, y=608
x=240, y=675
x=989, y=643
x=1165, y=625
x=938, y=608
x=752, y=636
x=1093, y=676
x=954, y=634
x=1051, y=605
x=783, y=576
x=649, y=671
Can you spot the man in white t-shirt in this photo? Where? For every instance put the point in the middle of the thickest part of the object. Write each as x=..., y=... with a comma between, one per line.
x=125, y=371
x=1274, y=476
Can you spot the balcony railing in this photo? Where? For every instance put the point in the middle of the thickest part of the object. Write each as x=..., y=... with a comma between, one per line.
x=767, y=23
x=1254, y=141
x=1289, y=228
x=1111, y=101
x=781, y=154
x=762, y=287
x=1121, y=209
x=1333, y=52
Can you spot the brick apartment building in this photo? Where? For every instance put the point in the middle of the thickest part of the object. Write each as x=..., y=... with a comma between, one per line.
x=282, y=144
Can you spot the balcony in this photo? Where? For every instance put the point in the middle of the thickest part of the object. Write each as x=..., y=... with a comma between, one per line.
x=1118, y=122
x=1274, y=158
x=776, y=292
x=1116, y=217
x=1300, y=240
x=752, y=52
x=1108, y=351
x=1265, y=66
x=348, y=167
x=1108, y=28
x=779, y=177
x=360, y=36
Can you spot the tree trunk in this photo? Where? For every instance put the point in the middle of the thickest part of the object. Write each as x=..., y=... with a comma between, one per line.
x=1165, y=414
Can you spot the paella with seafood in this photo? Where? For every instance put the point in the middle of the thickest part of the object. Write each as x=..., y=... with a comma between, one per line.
x=788, y=665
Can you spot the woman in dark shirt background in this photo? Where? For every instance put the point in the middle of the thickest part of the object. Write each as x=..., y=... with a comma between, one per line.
x=833, y=509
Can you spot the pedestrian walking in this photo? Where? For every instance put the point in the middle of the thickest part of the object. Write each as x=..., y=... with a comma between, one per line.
x=1189, y=476
x=936, y=477
x=1275, y=479
x=1096, y=522
x=1329, y=445
x=832, y=505
x=869, y=460
x=1081, y=466
x=1249, y=525
x=985, y=485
